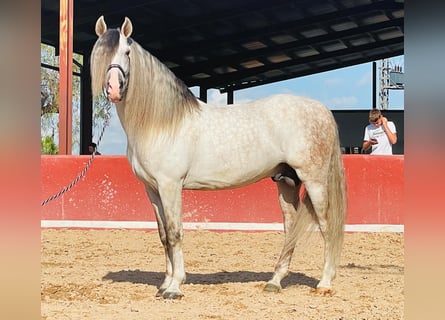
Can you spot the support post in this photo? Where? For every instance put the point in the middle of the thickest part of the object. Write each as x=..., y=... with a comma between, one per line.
x=374, y=85
x=203, y=94
x=230, y=97
x=86, y=107
x=66, y=77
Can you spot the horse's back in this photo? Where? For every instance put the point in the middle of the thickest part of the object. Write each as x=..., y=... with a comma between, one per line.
x=241, y=143
x=288, y=116
x=281, y=108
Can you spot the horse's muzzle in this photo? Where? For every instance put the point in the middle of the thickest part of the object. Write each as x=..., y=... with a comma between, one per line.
x=115, y=83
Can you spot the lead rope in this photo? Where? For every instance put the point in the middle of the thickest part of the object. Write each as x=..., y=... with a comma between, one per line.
x=87, y=166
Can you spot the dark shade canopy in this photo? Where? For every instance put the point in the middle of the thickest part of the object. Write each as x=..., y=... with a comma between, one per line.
x=236, y=44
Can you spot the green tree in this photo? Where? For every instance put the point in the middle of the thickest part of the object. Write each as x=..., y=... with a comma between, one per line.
x=48, y=146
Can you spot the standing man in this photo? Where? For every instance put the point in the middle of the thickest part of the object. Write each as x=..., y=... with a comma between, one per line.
x=380, y=134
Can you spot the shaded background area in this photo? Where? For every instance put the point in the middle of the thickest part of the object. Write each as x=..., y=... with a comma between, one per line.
x=351, y=125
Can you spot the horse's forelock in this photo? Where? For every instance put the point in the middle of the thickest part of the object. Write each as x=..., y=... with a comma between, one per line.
x=103, y=51
x=110, y=39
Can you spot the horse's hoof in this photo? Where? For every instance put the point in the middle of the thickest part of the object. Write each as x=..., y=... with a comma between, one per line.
x=327, y=292
x=172, y=295
x=270, y=287
x=160, y=293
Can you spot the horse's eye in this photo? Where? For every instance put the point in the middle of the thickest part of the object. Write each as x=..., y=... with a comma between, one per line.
x=127, y=52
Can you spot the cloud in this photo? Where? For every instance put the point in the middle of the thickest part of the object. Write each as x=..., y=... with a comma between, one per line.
x=342, y=102
x=216, y=98
x=365, y=80
x=333, y=82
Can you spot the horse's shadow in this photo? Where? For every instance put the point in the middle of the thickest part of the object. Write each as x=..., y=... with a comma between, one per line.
x=155, y=278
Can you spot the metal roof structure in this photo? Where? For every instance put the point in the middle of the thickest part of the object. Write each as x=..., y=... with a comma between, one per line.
x=232, y=44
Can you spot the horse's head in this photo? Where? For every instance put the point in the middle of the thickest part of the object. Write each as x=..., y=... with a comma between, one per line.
x=113, y=48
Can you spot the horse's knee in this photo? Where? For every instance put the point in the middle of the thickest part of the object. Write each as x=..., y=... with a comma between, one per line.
x=174, y=236
x=163, y=237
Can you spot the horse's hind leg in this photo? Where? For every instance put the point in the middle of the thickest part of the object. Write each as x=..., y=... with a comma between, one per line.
x=332, y=232
x=296, y=218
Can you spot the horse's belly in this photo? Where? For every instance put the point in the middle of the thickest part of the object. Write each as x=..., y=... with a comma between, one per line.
x=226, y=177
x=218, y=184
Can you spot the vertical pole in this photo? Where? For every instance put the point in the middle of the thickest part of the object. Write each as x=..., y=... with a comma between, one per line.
x=384, y=85
x=65, y=76
x=203, y=94
x=86, y=106
x=374, y=85
x=230, y=97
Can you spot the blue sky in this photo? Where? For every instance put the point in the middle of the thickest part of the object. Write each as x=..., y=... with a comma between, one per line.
x=348, y=88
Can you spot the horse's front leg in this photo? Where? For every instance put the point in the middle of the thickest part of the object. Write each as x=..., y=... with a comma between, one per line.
x=160, y=218
x=171, y=199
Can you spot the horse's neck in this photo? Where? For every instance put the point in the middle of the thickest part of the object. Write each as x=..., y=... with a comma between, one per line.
x=134, y=136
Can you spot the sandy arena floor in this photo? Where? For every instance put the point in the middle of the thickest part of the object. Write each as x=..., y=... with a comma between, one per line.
x=114, y=274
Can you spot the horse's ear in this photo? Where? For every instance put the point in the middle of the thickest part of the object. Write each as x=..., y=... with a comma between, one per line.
x=127, y=28
x=101, y=26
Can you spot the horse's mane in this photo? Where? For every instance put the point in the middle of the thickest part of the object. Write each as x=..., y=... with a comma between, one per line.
x=156, y=101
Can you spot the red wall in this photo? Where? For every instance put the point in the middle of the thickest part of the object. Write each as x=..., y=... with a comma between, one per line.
x=110, y=192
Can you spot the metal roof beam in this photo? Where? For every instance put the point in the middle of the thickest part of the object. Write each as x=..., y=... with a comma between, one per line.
x=240, y=85
x=208, y=66
x=170, y=52
x=224, y=80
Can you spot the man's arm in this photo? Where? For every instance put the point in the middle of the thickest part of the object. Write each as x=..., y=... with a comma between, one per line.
x=392, y=136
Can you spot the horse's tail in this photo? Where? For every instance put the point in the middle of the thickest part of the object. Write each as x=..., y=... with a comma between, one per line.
x=306, y=217
x=336, y=213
